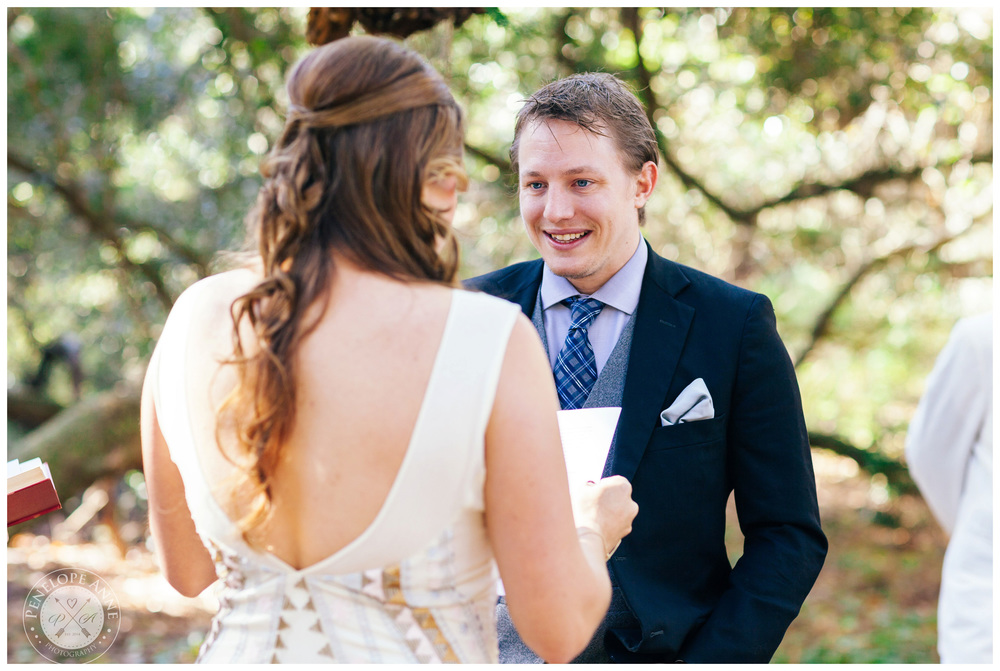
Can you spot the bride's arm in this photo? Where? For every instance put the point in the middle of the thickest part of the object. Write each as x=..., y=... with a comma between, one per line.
x=555, y=576
x=180, y=553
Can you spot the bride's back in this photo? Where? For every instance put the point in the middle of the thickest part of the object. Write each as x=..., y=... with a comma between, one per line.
x=359, y=380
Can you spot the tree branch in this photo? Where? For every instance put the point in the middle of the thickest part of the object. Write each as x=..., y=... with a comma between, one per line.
x=33, y=86
x=823, y=321
x=96, y=437
x=630, y=17
x=869, y=459
x=99, y=225
x=822, y=324
x=186, y=252
x=500, y=162
x=862, y=184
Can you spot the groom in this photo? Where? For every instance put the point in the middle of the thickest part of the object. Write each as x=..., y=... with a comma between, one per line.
x=710, y=404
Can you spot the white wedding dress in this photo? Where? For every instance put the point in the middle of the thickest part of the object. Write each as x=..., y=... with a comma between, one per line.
x=419, y=584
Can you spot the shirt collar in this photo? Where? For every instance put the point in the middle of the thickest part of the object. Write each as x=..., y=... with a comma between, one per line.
x=620, y=292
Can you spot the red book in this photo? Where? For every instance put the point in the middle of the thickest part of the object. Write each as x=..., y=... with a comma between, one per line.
x=30, y=492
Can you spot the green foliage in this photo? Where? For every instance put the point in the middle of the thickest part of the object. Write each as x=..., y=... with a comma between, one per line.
x=137, y=133
x=875, y=599
x=899, y=637
x=837, y=159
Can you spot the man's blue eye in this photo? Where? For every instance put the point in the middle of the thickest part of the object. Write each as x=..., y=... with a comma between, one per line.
x=583, y=182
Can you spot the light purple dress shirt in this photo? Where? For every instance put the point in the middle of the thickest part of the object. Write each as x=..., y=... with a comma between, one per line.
x=620, y=296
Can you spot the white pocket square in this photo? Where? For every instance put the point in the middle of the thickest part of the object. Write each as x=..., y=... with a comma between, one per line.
x=693, y=404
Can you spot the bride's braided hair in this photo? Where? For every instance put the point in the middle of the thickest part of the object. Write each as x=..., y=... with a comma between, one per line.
x=369, y=124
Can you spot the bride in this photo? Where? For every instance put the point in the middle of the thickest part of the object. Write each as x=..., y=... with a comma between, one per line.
x=347, y=441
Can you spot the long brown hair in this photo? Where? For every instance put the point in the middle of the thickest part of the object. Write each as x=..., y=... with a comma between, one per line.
x=369, y=124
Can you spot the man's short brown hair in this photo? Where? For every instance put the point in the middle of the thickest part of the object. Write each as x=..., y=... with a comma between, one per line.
x=599, y=103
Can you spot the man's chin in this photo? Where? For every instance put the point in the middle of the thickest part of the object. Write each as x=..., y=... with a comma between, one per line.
x=582, y=280
x=568, y=272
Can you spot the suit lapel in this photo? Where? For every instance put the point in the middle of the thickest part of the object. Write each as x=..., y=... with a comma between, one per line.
x=661, y=328
x=538, y=321
x=521, y=286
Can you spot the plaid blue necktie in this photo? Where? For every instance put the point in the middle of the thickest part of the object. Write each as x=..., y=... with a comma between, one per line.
x=576, y=370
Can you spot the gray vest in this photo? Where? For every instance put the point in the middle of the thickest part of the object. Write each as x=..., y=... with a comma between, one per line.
x=607, y=393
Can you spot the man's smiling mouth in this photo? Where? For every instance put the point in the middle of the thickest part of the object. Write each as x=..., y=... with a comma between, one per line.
x=568, y=237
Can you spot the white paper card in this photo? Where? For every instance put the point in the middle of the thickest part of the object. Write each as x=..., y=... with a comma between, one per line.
x=586, y=439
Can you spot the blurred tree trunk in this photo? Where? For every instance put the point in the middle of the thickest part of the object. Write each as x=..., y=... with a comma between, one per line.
x=29, y=409
x=97, y=437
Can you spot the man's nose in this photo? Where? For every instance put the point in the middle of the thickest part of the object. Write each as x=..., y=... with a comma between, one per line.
x=558, y=206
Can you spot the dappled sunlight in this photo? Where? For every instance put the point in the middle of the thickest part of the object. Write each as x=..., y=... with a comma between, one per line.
x=157, y=623
x=837, y=160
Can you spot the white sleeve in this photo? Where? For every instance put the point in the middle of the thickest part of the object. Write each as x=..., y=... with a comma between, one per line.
x=950, y=417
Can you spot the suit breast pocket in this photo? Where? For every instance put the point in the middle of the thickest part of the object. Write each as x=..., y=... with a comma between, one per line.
x=688, y=434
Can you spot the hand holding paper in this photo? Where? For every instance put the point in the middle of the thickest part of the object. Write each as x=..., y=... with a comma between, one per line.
x=586, y=436
x=607, y=508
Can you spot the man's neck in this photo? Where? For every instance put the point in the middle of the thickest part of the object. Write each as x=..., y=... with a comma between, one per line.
x=620, y=291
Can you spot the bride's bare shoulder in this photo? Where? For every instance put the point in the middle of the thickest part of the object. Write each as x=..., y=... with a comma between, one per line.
x=238, y=280
x=216, y=293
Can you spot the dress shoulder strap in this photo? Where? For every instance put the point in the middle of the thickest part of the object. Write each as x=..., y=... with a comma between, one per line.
x=444, y=470
x=167, y=379
x=166, y=373
x=471, y=357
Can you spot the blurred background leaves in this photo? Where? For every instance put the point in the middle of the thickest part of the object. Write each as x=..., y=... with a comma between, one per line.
x=837, y=159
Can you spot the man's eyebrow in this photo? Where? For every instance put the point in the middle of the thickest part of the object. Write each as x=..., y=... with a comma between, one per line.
x=569, y=171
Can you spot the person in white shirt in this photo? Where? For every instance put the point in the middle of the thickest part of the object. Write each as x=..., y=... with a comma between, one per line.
x=949, y=448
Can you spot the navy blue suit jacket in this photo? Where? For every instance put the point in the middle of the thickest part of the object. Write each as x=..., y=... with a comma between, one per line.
x=673, y=568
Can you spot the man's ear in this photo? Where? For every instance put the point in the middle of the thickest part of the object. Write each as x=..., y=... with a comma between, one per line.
x=645, y=183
